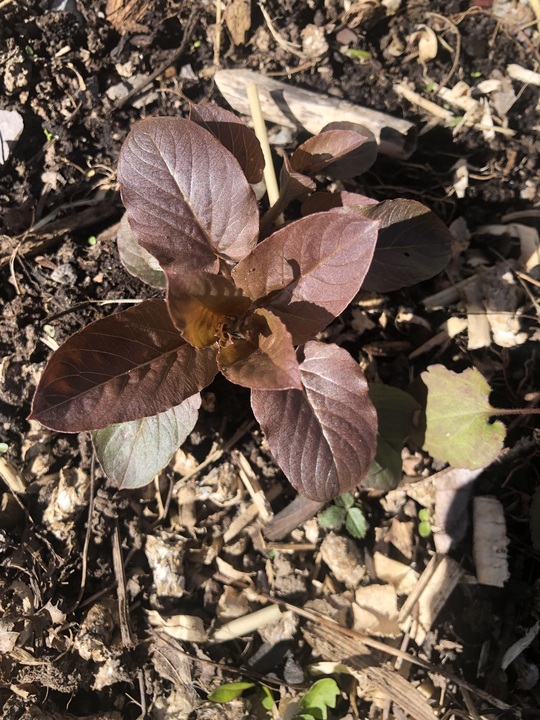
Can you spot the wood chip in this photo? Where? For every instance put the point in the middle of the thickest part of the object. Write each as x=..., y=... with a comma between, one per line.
x=11, y=127
x=453, y=488
x=11, y=476
x=490, y=542
x=515, y=650
x=402, y=577
x=433, y=589
x=375, y=611
x=252, y=485
x=365, y=665
x=524, y=75
x=293, y=107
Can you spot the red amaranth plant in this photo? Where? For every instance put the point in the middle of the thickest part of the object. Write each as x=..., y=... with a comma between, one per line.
x=238, y=304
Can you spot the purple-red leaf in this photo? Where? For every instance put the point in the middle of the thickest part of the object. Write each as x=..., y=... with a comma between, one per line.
x=413, y=245
x=324, y=201
x=310, y=270
x=120, y=368
x=335, y=153
x=264, y=358
x=292, y=186
x=323, y=437
x=200, y=302
x=186, y=196
x=234, y=135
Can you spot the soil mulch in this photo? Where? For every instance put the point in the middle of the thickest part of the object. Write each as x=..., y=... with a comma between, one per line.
x=110, y=600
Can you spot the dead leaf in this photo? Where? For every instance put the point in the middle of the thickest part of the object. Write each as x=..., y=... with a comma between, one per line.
x=426, y=40
x=238, y=20
x=173, y=665
x=375, y=610
x=232, y=604
x=125, y=15
x=188, y=628
x=284, y=628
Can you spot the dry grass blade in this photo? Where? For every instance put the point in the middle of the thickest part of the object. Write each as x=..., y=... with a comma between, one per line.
x=123, y=611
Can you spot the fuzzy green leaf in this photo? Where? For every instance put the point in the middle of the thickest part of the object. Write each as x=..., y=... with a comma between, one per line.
x=355, y=523
x=457, y=413
x=332, y=517
x=346, y=500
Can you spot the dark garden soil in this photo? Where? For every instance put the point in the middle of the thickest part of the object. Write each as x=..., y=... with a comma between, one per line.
x=89, y=575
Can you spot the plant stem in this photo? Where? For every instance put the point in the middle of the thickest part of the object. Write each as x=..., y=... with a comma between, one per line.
x=262, y=136
x=516, y=411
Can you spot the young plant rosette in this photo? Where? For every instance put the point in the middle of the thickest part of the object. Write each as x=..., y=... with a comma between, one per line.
x=247, y=307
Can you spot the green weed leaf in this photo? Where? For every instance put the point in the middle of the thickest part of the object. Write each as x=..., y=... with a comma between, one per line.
x=321, y=696
x=267, y=701
x=355, y=524
x=229, y=692
x=346, y=500
x=395, y=414
x=332, y=517
x=457, y=413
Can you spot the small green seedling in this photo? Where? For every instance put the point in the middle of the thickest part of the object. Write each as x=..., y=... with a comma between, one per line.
x=230, y=691
x=345, y=511
x=259, y=695
x=313, y=705
x=322, y=695
x=424, y=523
x=358, y=54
